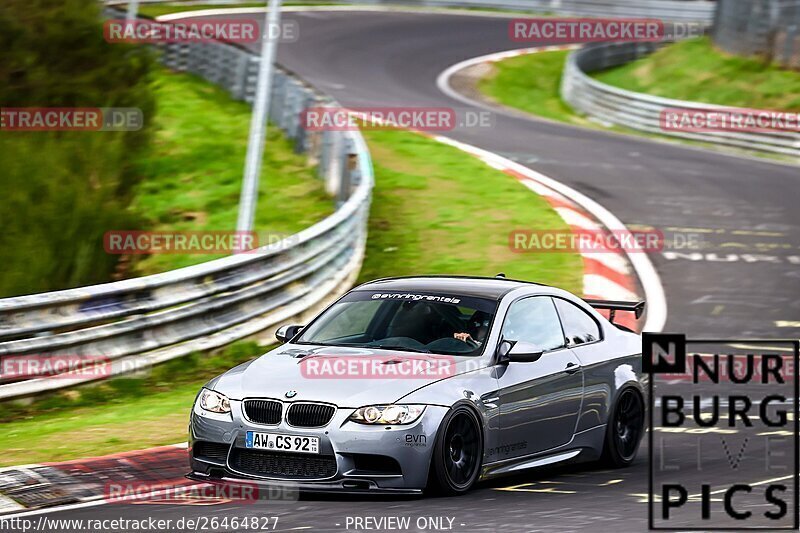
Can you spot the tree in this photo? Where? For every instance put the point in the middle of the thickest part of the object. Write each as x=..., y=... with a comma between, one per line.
x=64, y=190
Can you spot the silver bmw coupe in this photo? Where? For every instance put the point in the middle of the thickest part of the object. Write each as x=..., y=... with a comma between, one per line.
x=427, y=383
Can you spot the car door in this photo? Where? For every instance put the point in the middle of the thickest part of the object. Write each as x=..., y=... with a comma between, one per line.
x=584, y=337
x=539, y=401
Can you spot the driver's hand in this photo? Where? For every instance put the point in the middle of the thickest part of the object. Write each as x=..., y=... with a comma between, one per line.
x=464, y=337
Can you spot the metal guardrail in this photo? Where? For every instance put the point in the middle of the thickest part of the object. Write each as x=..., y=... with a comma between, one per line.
x=672, y=10
x=642, y=111
x=138, y=322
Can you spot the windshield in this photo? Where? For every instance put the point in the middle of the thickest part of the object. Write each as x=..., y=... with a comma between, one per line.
x=413, y=322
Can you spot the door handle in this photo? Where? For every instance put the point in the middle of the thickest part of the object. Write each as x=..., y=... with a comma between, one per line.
x=571, y=368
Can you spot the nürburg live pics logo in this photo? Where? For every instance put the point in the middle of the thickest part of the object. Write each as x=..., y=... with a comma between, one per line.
x=723, y=433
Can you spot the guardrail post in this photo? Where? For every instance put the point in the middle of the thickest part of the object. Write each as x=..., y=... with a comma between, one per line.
x=293, y=112
x=288, y=115
x=278, y=97
x=239, y=74
x=305, y=141
x=335, y=164
x=326, y=149
x=350, y=175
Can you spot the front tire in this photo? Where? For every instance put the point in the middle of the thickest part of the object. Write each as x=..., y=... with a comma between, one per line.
x=624, y=430
x=458, y=453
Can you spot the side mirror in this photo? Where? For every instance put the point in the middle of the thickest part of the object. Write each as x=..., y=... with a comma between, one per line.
x=518, y=352
x=502, y=352
x=287, y=333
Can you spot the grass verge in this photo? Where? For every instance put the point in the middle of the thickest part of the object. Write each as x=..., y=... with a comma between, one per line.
x=689, y=70
x=531, y=83
x=193, y=174
x=695, y=70
x=437, y=210
x=125, y=413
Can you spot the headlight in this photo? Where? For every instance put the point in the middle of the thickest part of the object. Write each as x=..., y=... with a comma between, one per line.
x=387, y=414
x=215, y=402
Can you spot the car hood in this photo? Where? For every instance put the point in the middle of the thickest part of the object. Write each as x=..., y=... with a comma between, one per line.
x=346, y=377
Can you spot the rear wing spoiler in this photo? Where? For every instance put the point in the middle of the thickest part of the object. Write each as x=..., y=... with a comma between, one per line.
x=613, y=306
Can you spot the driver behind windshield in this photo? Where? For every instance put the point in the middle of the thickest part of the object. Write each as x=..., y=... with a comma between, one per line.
x=478, y=328
x=414, y=322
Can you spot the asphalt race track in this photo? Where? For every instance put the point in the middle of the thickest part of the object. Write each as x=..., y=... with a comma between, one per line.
x=394, y=59
x=746, y=283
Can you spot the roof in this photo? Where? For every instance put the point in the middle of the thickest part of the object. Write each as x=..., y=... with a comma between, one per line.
x=474, y=286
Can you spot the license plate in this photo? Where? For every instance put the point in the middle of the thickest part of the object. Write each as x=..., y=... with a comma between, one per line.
x=281, y=443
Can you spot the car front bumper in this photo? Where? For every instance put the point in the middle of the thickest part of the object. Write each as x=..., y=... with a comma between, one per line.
x=368, y=458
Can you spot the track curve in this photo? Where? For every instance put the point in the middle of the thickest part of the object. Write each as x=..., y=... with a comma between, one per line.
x=744, y=280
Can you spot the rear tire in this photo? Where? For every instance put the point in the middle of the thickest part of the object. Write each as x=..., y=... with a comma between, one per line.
x=457, y=454
x=624, y=430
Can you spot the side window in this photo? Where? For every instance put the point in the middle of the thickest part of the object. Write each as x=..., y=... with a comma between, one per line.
x=579, y=327
x=534, y=320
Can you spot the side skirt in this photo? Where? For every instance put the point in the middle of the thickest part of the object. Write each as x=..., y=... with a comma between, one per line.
x=585, y=446
x=509, y=467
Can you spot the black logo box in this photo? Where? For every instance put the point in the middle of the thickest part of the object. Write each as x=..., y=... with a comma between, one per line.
x=665, y=353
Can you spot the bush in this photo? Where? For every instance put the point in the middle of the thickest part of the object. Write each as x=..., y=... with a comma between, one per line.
x=64, y=190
